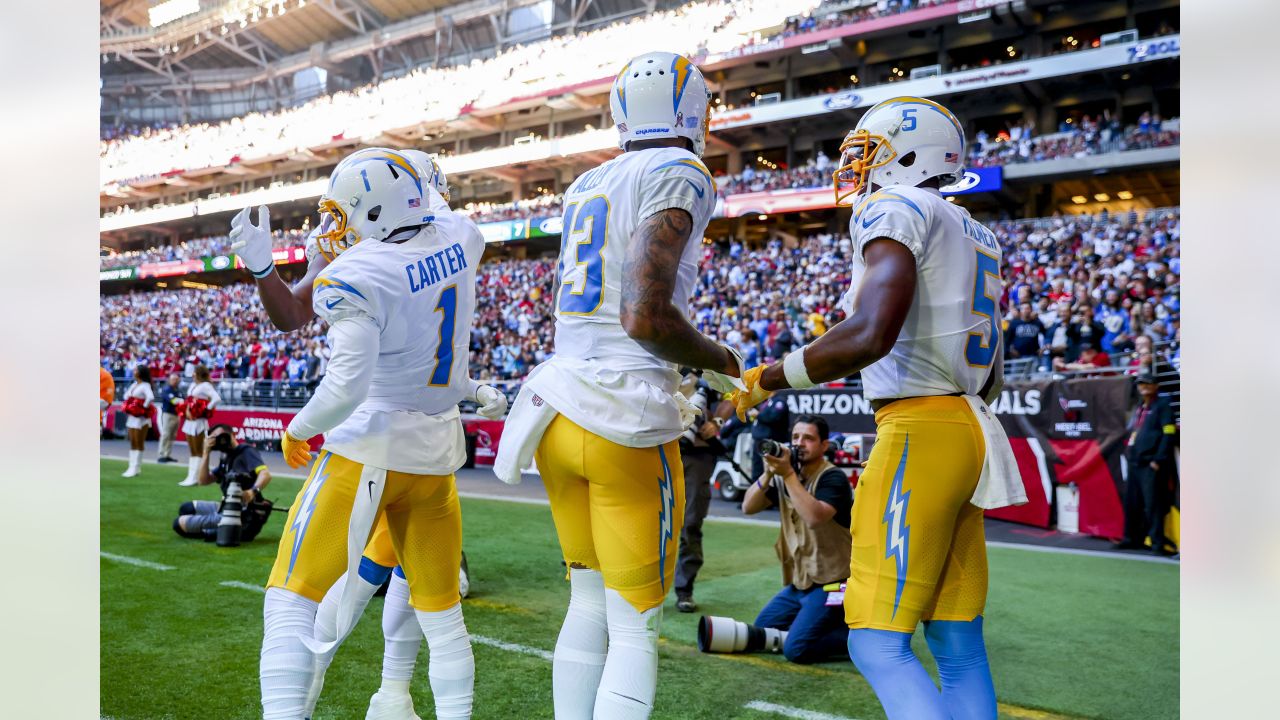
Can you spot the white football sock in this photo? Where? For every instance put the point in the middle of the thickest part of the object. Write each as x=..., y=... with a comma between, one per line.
x=326, y=625
x=403, y=637
x=581, y=647
x=630, y=677
x=285, y=664
x=452, y=667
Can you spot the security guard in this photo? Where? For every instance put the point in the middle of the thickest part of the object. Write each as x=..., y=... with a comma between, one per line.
x=1152, y=434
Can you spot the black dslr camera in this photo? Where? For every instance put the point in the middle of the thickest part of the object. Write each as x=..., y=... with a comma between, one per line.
x=222, y=442
x=773, y=448
x=241, y=522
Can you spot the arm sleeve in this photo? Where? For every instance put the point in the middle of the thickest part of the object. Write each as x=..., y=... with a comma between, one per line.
x=217, y=397
x=894, y=214
x=354, y=340
x=678, y=180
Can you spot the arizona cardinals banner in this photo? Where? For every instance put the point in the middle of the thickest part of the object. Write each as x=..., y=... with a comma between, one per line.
x=1061, y=432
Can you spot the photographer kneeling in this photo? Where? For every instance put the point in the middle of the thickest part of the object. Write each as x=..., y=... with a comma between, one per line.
x=814, y=500
x=199, y=519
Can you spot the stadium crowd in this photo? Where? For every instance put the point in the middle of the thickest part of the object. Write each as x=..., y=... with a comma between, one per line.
x=1015, y=144
x=1082, y=293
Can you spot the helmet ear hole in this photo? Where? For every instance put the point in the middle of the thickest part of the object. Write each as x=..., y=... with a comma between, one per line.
x=907, y=160
x=374, y=212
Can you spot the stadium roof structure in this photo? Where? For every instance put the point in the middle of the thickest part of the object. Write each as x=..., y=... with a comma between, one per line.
x=176, y=52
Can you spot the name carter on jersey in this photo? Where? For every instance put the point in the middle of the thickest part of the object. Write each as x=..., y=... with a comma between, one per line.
x=431, y=269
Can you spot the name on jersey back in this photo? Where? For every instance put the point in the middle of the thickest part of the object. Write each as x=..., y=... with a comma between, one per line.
x=440, y=265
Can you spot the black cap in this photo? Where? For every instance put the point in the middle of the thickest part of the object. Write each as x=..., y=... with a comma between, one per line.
x=1145, y=379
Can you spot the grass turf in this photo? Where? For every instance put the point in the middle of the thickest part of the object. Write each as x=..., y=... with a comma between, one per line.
x=1068, y=636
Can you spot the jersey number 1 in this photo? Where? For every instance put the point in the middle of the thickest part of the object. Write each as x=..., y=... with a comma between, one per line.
x=586, y=231
x=979, y=351
x=448, y=305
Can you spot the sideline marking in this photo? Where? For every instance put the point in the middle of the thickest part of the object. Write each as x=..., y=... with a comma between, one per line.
x=791, y=712
x=135, y=561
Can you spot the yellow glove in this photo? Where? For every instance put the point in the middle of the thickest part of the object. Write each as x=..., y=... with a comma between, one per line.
x=297, y=453
x=753, y=395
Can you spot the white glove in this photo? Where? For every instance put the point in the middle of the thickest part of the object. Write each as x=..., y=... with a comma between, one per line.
x=722, y=383
x=253, y=242
x=688, y=411
x=493, y=404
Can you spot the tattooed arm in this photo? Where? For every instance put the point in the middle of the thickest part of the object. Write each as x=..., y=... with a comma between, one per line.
x=649, y=280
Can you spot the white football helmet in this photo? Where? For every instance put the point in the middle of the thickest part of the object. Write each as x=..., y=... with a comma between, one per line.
x=660, y=95
x=430, y=171
x=371, y=194
x=901, y=141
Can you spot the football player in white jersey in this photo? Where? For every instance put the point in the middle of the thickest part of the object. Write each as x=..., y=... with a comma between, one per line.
x=399, y=298
x=609, y=457
x=290, y=309
x=922, y=329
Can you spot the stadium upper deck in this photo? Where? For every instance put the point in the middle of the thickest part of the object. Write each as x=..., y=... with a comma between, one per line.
x=525, y=122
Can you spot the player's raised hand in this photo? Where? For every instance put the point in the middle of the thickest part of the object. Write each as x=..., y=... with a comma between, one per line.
x=752, y=393
x=493, y=404
x=253, y=242
x=297, y=453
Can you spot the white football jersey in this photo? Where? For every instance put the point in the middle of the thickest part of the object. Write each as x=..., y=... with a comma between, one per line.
x=421, y=293
x=948, y=342
x=627, y=388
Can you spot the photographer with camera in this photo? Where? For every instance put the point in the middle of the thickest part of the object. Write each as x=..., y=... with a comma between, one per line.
x=814, y=499
x=699, y=447
x=242, y=476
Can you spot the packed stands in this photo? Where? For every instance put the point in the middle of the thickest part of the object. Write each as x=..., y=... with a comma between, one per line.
x=1101, y=281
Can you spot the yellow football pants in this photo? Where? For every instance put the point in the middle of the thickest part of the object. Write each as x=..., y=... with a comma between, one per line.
x=419, y=518
x=919, y=548
x=617, y=509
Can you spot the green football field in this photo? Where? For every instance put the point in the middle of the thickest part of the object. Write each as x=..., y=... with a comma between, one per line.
x=1068, y=635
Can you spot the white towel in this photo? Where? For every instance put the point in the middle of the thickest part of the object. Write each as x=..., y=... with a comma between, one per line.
x=364, y=512
x=521, y=434
x=1000, y=484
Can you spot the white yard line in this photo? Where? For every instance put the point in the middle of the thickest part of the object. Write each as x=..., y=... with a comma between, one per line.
x=243, y=586
x=512, y=647
x=136, y=562
x=791, y=712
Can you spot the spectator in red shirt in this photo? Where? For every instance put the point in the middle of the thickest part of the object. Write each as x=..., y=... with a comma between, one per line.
x=1091, y=358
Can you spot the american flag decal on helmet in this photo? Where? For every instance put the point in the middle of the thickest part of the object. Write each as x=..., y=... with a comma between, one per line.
x=415, y=202
x=950, y=157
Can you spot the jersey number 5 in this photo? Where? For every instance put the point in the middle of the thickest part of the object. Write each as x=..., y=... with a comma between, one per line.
x=980, y=350
x=448, y=307
x=586, y=231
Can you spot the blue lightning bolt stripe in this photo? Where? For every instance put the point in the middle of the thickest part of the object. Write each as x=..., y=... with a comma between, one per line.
x=666, y=516
x=897, y=534
x=306, y=508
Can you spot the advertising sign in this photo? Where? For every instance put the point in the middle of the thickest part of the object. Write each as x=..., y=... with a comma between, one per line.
x=121, y=273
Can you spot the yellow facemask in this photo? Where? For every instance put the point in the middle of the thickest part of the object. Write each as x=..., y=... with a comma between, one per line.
x=857, y=159
x=339, y=237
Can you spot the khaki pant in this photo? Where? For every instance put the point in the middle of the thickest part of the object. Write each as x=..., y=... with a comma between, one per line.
x=168, y=431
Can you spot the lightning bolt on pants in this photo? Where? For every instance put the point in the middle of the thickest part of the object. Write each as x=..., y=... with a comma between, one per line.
x=617, y=509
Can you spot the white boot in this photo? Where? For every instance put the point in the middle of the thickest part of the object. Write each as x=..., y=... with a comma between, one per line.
x=392, y=702
x=193, y=466
x=135, y=464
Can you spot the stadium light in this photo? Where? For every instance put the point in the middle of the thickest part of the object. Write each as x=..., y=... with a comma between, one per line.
x=1101, y=197
x=1124, y=195
x=1079, y=199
